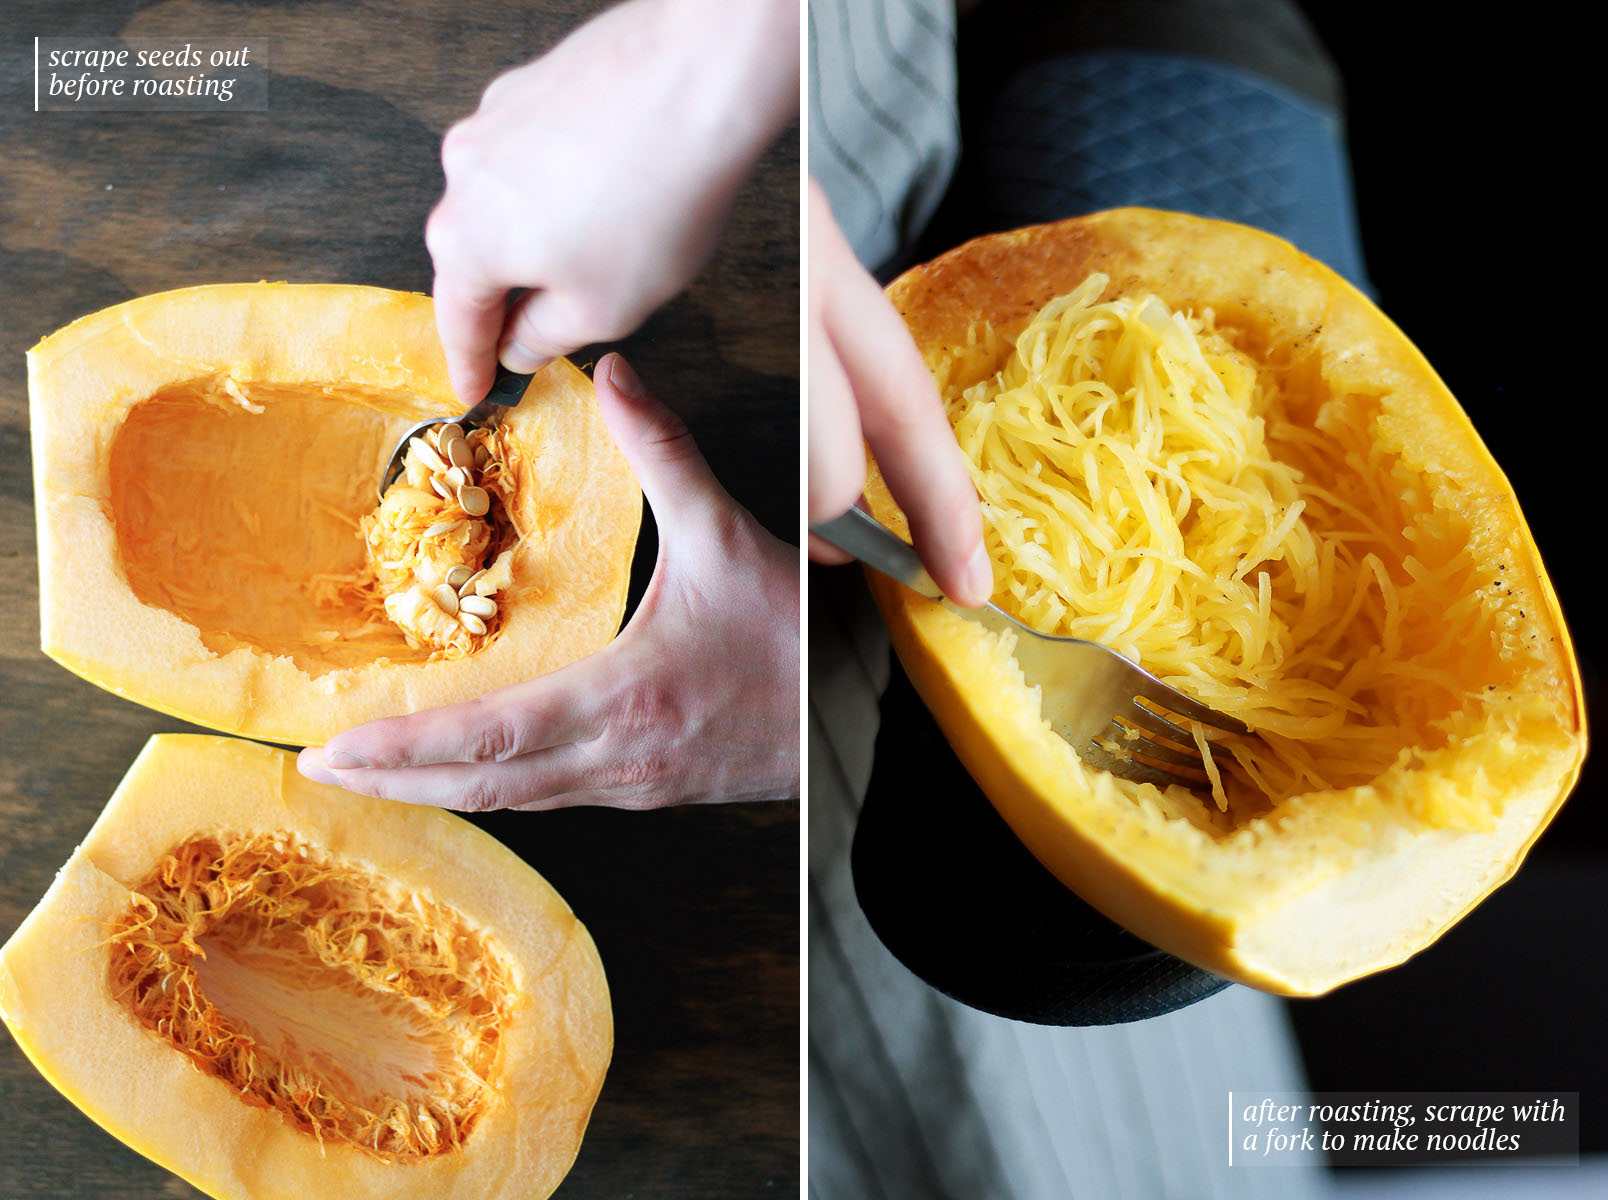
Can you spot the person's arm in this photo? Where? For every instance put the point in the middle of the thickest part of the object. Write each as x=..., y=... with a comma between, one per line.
x=600, y=175
x=867, y=381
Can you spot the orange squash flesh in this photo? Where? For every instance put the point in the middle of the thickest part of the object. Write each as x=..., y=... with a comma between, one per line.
x=1304, y=891
x=278, y=990
x=202, y=461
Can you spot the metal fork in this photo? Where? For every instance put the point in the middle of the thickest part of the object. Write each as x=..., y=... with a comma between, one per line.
x=1115, y=714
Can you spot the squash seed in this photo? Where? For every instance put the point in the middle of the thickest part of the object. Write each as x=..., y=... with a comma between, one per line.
x=427, y=454
x=459, y=453
x=472, y=623
x=468, y=585
x=478, y=606
x=475, y=501
x=457, y=477
x=439, y=528
x=415, y=473
x=459, y=576
x=446, y=599
x=482, y=456
x=440, y=488
x=448, y=433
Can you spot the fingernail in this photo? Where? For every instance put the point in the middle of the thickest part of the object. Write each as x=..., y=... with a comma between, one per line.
x=625, y=380
x=521, y=358
x=310, y=764
x=980, y=574
x=344, y=760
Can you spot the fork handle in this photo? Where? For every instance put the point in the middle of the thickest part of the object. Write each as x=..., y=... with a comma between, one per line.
x=858, y=533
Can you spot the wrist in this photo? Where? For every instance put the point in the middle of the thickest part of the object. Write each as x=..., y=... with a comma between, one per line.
x=743, y=59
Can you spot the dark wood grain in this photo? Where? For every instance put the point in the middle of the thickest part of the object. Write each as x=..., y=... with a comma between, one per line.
x=695, y=911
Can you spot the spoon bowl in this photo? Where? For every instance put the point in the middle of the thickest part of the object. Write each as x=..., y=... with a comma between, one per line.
x=506, y=392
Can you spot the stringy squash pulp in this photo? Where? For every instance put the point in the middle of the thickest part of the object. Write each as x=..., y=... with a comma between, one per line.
x=1201, y=448
x=205, y=466
x=278, y=990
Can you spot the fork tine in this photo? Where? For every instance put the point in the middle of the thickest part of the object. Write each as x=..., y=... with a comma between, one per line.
x=1125, y=739
x=1137, y=771
x=1148, y=719
x=1172, y=699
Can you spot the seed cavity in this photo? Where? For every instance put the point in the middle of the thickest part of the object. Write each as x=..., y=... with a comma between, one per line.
x=414, y=973
x=460, y=537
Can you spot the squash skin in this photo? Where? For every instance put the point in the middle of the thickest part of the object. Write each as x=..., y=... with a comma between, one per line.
x=54, y=997
x=1224, y=917
x=85, y=379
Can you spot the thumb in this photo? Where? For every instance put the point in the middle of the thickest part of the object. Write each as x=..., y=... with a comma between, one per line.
x=674, y=477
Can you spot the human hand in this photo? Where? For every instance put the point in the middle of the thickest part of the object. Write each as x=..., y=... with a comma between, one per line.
x=869, y=385
x=600, y=175
x=695, y=701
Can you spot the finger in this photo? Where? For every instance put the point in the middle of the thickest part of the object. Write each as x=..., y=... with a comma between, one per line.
x=836, y=445
x=568, y=705
x=531, y=781
x=675, y=478
x=903, y=420
x=469, y=314
x=310, y=762
x=822, y=551
x=540, y=328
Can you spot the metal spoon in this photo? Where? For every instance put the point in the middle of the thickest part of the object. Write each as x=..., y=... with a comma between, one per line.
x=506, y=391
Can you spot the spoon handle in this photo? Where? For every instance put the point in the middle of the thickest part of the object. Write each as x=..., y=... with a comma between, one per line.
x=506, y=391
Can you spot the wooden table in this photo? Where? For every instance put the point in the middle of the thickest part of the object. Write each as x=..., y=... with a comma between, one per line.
x=695, y=911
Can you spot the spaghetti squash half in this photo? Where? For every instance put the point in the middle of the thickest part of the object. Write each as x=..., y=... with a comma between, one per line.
x=1199, y=447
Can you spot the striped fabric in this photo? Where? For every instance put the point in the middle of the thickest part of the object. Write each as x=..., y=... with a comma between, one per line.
x=915, y=1097
x=884, y=134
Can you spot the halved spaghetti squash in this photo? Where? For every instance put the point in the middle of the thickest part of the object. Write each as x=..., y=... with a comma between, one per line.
x=1203, y=449
x=211, y=544
x=279, y=990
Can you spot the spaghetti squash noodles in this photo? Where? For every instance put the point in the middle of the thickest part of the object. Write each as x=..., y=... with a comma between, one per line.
x=1148, y=485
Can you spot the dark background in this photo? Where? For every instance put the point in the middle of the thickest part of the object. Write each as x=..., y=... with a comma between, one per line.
x=1471, y=142
x=694, y=911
